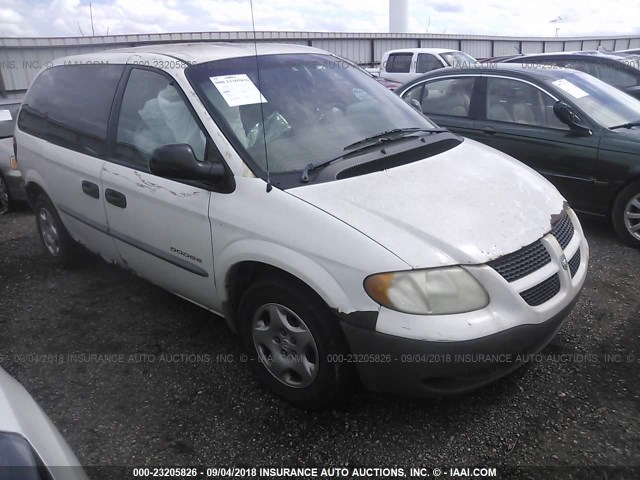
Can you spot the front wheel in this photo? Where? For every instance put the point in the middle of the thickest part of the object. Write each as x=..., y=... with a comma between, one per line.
x=291, y=337
x=626, y=215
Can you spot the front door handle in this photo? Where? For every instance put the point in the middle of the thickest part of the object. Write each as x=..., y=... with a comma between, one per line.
x=489, y=130
x=115, y=198
x=90, y=189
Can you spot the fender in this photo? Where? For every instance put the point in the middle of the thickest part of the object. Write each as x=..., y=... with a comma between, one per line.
x=291, y=261
x=31, y=176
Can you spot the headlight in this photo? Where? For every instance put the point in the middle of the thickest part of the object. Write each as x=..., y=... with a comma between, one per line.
x=437, y=291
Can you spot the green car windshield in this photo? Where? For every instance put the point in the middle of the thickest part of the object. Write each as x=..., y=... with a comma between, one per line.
x=604, y=103
x=299, y=109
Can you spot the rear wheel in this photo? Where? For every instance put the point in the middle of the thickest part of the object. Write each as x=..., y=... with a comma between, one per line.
x=291, y=337
x=626, y=215
x=53, y=234
x=4, y=196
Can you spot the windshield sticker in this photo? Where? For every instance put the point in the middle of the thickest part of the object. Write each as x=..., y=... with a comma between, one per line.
x=570, y=88
x=238, y=90
x=5, y=115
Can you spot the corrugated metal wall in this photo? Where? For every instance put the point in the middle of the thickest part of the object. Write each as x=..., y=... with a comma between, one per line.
x=22, y=58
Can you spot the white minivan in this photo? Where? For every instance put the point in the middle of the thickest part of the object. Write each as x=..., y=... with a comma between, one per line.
x=405, y=64
x=340, y=232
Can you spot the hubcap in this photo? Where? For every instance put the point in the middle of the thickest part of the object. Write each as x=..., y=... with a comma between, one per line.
x=4, y=197
x=632, y=216
x=285, y=345
x=48, y=231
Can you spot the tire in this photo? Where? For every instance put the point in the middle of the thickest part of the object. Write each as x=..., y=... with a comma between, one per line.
x=626, y=215
x=54, y=236
x=5, y=199
x=290, y=335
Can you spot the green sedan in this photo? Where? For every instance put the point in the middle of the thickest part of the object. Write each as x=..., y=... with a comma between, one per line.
x=582, y=134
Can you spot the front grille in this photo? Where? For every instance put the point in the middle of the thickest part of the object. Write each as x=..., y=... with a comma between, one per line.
x=542, y=292
x=574, y=263
x=563, y=230
x=521, y=263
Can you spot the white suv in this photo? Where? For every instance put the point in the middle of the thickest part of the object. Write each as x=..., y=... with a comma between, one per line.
x=337, y=229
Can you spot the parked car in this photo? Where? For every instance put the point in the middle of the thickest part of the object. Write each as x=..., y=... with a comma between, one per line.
x=618, y=70
x=408, y=63
x=11, y=184
x=580, y=133
x=324, y=218
x=389, y=84
x=31, y=448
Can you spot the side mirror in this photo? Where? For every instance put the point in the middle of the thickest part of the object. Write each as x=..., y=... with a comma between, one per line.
x=567, y=116
x=179, y=161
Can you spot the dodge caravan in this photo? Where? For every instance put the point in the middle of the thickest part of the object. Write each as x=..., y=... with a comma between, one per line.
x=338, y=231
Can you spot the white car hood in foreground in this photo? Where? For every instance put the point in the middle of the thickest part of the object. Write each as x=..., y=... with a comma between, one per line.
x=468, y=205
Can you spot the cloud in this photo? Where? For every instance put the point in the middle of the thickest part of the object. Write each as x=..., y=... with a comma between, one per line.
x=448, y=7
x=70, y=17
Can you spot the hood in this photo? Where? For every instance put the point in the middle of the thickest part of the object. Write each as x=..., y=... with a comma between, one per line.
x=468, y=205
x=631, y=134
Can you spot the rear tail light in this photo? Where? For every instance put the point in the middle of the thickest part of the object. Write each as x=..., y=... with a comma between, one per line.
x=14, y=159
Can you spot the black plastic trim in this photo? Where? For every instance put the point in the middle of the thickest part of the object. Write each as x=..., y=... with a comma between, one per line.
x=439, y=373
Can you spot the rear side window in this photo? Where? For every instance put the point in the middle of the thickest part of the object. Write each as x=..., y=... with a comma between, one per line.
x=8, y=115
x=615, y=75
x=399, y=62
x=448, y=96
x=69, y=105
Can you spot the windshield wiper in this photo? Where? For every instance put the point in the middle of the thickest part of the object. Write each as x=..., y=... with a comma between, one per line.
x=635, y=123
x=391, y=135
x=396, y=134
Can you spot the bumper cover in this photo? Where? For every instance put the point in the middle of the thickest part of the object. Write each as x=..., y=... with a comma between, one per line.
x=15, y=185
x=388, y=363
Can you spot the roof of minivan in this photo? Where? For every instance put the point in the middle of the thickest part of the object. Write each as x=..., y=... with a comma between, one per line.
x=202, y=51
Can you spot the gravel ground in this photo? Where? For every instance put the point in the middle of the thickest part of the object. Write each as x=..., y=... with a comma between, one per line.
x=186, y=411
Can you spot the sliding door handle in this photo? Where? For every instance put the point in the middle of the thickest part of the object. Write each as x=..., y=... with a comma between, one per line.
x=115, y=198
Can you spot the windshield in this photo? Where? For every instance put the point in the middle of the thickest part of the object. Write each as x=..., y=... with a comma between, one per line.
x=8, y=114
x=604, y=103
x=458, y=59
x=308, y=107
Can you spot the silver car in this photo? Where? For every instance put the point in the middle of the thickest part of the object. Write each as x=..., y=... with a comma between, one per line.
x=31, y=447
x=11, y=184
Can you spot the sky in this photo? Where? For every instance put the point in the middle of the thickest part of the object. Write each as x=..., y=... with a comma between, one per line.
x=29, y=18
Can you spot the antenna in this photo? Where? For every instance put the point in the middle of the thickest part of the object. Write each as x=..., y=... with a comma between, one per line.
x=264, y=132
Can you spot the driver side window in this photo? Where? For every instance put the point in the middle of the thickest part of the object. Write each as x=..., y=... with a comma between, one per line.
x=513, y=101
x=153, y=114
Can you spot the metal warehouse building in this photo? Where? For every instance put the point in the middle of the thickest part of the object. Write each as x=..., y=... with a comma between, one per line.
x=22, y=58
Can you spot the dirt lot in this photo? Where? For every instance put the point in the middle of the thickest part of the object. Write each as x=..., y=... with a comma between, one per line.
x=194, y=408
